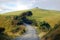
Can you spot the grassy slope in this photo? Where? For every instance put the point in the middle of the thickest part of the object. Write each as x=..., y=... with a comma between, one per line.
x=50, y=16
x=40, y=15
x=46, y=15
x=6, y=22
x=15, y=12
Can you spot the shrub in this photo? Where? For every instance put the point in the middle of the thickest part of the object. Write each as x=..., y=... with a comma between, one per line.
x=34, y=22
x=2, y=30
x=56, y=26
x=15, y=17
x=45, y=26
x=29, y=13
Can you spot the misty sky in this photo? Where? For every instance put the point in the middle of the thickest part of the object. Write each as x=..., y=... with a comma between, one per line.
x=13, y=5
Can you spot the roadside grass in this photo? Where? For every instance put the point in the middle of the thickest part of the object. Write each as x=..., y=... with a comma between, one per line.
x=11, y=31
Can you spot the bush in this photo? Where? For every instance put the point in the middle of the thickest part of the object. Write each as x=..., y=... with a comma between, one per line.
x=20, y=22
x=56, y=26
x=2, y=30
x=34, y=22
x=45, y=26
x=15, y=17
x=28, y=13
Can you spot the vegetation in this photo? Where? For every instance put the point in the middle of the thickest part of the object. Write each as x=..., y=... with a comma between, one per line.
x=44, y=20
x=12, y=26
x=8, y=29
x=44, y=26
x=53, y=34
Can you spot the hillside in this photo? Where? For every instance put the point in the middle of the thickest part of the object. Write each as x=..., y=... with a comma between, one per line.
x=40, y=15
x=34, y=10
x=44, y=20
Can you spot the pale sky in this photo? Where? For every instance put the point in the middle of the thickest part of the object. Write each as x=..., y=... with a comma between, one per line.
x=14, y=5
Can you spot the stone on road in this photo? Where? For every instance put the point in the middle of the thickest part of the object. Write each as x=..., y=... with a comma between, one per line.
x=29, y=35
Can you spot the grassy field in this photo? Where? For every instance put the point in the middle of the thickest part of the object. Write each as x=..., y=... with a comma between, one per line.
x=39, y=15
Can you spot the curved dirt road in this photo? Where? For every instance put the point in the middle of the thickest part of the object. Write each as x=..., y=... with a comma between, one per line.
x=29, y=35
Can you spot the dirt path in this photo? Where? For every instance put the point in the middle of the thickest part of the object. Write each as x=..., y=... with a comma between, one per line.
x=29, y=35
